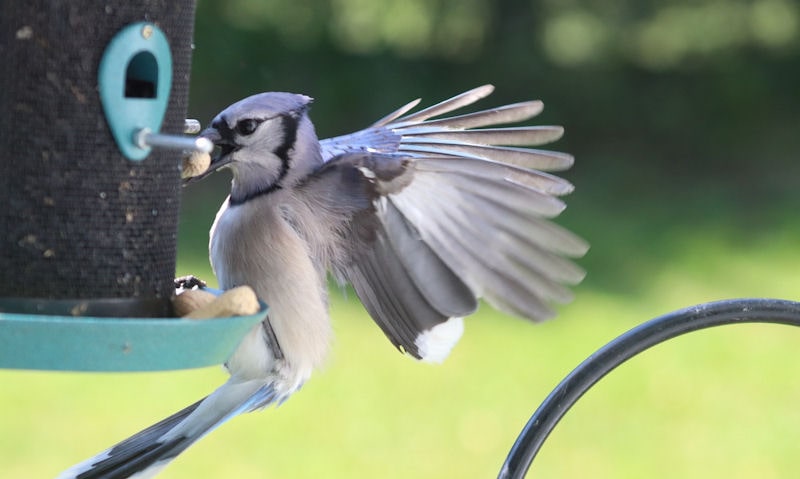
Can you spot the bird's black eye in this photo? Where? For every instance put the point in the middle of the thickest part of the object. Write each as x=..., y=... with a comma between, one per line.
x=247, y=126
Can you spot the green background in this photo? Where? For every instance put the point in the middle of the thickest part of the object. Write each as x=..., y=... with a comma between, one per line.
x=684, y=117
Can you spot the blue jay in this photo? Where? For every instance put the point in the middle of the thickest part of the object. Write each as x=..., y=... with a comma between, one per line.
x=421, y=216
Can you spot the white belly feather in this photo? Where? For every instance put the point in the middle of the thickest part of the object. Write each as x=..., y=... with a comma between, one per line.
x=249, y=248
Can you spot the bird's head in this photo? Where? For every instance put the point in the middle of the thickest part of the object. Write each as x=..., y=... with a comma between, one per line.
x=267, y=140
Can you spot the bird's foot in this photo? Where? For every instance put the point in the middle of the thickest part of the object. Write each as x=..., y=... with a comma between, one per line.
x=189, y=282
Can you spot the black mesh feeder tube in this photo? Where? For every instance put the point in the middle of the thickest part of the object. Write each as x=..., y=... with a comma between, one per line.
x=90, y=209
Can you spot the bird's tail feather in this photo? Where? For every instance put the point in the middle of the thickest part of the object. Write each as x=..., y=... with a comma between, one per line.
x=148, y=451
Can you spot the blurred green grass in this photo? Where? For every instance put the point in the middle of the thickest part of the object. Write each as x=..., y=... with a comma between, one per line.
x=717, y=403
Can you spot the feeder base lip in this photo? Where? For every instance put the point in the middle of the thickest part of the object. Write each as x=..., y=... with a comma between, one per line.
x=86, y=343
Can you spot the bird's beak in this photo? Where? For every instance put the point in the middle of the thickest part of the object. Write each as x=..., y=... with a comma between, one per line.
x=220, y=157
x=211, y=134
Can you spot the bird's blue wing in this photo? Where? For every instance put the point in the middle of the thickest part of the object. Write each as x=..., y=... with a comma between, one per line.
x=422, y=134
x=452, y=209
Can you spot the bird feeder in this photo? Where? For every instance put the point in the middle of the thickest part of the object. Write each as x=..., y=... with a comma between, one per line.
x=92, y=116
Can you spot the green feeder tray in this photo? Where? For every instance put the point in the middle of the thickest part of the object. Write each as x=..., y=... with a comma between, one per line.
x=70, y=343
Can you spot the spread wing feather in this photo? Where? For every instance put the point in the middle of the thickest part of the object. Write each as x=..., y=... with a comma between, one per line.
x=464, y=215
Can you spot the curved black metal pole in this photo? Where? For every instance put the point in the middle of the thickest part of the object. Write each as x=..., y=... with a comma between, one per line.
x=626, y=346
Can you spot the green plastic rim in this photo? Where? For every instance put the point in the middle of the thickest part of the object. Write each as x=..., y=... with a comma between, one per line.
x=67, y=343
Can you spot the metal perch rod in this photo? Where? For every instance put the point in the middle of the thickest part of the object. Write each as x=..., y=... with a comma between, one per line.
x=626, y=346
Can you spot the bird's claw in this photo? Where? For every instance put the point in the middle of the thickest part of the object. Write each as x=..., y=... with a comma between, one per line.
x=189, y=282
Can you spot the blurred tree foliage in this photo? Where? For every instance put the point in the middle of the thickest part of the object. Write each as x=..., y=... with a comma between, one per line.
x=694, y=87
x=682, y=114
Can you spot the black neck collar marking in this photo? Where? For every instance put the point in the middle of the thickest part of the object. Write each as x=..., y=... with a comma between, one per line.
x=289, y=127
